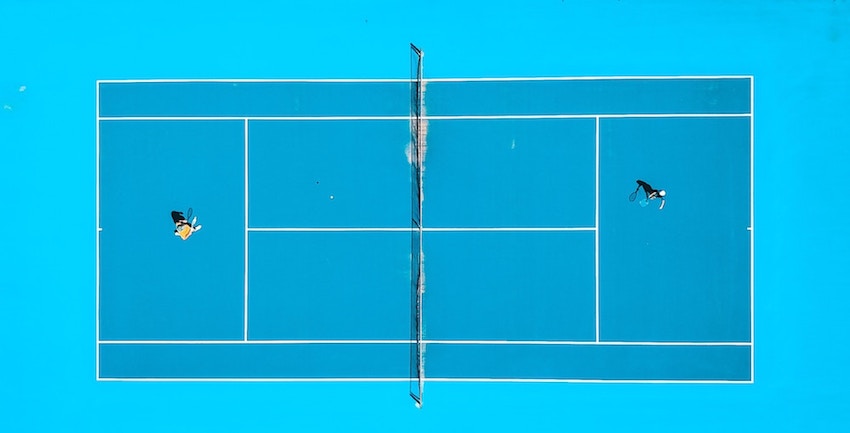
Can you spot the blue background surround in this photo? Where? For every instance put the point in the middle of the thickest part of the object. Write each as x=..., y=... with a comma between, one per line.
x=796, y=50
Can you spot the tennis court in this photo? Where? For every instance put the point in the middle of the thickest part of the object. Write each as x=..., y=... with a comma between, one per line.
x=535, y=265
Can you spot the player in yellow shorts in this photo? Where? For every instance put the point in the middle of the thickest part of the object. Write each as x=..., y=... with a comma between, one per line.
x=184, y=228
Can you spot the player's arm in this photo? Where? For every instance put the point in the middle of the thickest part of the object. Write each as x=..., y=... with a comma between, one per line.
x=662, y=203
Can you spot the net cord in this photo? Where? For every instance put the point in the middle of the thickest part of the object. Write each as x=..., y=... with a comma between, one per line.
x=417, y=266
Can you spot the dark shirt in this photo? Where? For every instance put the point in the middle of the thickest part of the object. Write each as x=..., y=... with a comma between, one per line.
x=647, y=189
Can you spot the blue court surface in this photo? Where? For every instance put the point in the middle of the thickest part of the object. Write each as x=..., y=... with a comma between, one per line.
x=475, y=239
x=535, y=257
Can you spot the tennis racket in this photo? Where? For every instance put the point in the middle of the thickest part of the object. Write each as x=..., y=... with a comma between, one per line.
x=633, y=195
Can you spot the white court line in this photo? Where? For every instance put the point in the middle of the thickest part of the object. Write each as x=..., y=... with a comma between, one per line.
x=97, y=224
x=594, y=343
x=245, y=270
x=424, y=229
x=330, y=229
x=596, y=232
x=251, y=342
x=645, y=381
x=426, y=118
x=427, y=80
x=429, y=379
x=447, y=342
x=252, y=118
x=752, y=233
x=257, y=80
x=318, y=379
x=508, y=229
x=596, y=78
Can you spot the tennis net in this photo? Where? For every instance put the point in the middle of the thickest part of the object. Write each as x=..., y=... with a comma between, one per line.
x=417, y=363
